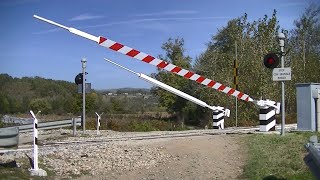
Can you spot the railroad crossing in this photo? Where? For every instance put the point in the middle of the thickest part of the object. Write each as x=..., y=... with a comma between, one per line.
x=266, y=123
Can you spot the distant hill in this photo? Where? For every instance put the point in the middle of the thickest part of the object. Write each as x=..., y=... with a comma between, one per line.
x=19, y=95
x=125, y=90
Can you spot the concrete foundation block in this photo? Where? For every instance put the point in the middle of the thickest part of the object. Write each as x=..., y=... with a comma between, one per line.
x=37, y=172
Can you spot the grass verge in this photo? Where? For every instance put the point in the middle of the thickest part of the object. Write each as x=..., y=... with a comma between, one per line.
x=277, y=157
x=22, y=173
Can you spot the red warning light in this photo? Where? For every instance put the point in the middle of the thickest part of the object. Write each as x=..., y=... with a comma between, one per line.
x=271, y=60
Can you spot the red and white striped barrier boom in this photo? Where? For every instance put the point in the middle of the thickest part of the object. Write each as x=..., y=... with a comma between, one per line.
x=108, y=43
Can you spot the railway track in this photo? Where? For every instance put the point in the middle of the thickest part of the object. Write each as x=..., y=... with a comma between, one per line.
x=147, y=136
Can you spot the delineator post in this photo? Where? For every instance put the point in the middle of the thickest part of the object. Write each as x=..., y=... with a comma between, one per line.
x=35, y=171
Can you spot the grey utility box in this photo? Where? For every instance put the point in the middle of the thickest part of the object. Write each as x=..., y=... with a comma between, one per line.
x=306, y=106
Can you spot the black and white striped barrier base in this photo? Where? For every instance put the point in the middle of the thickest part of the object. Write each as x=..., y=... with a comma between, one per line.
x=218, y=118
x=267, y=115
x=267, y=119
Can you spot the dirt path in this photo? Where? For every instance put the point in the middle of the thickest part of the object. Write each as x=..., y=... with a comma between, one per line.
x=201, y=157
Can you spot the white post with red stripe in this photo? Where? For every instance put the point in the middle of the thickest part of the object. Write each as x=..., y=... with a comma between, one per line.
x=35, y=171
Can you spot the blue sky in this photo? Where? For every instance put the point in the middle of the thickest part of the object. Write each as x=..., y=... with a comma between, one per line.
x=29, y=47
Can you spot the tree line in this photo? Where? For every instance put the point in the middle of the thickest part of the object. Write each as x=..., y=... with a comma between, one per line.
x=253, y=40
x=19, y=95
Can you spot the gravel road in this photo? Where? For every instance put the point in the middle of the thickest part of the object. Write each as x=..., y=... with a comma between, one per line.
x=196, y=157
x=202, y=157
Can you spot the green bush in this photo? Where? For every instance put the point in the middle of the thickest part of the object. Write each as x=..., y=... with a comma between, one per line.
x=41, y=105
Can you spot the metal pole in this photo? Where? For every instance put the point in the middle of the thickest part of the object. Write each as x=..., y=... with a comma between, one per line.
x=281, y=42
x=236, y=81
x=74, y=126
x=318, y=114
x=83, y=61
x=236, y=112
x=283, y=108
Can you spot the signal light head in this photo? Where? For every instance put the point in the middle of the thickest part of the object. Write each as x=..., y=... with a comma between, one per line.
x=271, y=60
x=78, y=79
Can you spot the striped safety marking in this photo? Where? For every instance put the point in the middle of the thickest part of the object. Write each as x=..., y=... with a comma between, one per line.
x=171, y=67
x=36, y=132
x=235, y=75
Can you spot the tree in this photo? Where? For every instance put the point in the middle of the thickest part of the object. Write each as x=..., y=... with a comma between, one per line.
x=253, y=40
x=174, y=53
x=4, y=78
x=305, y=44
x=304, y=57
x=4, y=104
x=117, y=105
x=41, y=105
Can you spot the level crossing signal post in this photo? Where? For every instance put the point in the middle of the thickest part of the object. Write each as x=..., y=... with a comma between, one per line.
x=80, y=79
x=84, y=65
x=282, y=74
x=281, y=38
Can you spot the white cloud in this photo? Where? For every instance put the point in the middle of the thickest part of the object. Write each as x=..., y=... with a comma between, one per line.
x=292, y=4
x=176, y=12
x=158, y=26
x=86, y=16
x=144, y=20
x=17, y=2
x=48, y=31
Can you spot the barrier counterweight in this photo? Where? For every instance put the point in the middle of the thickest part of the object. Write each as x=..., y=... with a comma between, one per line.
x=267, y=117
x=218, y=120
